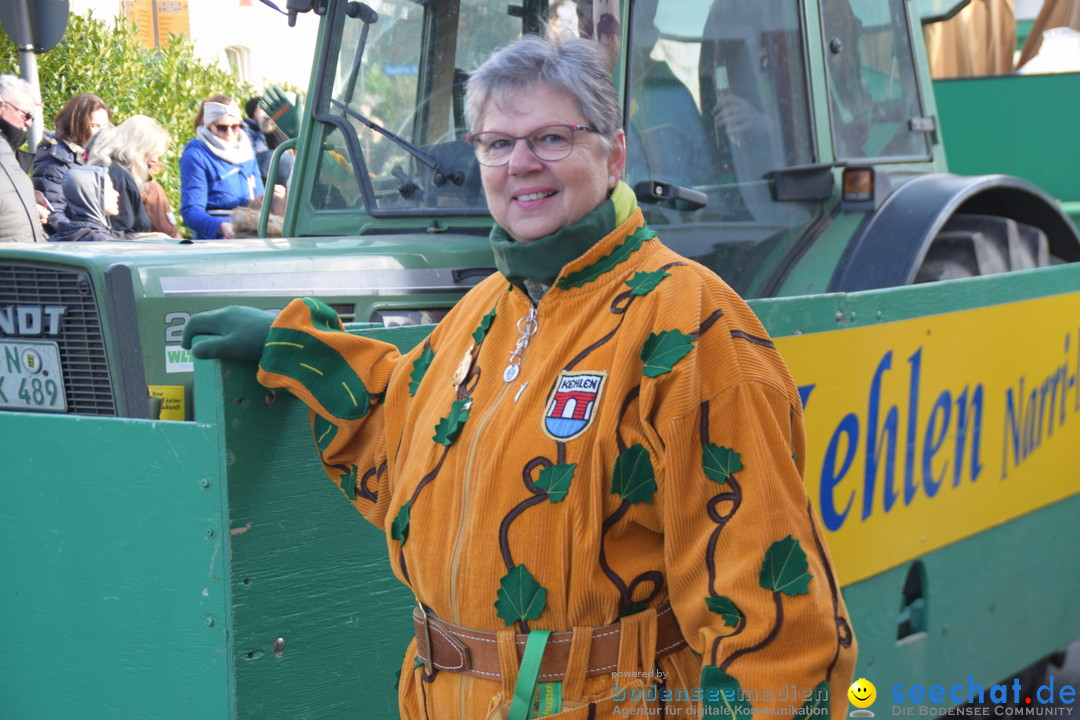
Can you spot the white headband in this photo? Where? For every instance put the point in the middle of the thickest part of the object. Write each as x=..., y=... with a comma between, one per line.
x=214, y=111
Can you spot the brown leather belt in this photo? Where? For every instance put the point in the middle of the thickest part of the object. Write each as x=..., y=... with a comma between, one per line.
x=453, y=648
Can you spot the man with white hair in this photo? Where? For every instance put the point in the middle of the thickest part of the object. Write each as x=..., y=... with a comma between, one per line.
x=20, y=219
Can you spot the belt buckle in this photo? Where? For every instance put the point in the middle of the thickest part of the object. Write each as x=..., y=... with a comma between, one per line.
x=428, y=659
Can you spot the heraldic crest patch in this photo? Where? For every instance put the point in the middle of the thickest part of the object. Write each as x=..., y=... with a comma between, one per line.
x=573, y=403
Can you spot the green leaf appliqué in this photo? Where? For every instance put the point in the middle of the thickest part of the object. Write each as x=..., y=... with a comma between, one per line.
x=726, y=609
x=785, y=568
x=420, y=368
x=645, y=282
x=449, y=427
x=662, y=350
x=325, y=432
x=722, y=694
x=347, y=481
x=719, y=462
x=482, y=329
x=607, y=263
x=520, y=597
x=399, y=529
x=633, y=478
x=555, y=480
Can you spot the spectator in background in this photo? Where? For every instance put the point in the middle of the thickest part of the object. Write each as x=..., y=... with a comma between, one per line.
x=265, y=137
x=128, y=151
x=81, y=118
x=156, y=202
x=91, y=200
x=218, y=170
x=21, y=218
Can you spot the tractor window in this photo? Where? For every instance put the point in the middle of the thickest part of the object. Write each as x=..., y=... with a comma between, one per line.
x=399, y=72
x=873, y=95
x=718, y=100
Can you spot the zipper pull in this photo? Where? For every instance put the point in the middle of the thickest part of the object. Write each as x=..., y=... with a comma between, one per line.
x=527, y=327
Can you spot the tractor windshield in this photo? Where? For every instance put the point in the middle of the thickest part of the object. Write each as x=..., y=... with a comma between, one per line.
x=718, y=104
x=393, y=118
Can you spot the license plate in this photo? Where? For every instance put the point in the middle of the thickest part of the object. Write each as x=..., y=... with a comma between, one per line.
x=30, y=376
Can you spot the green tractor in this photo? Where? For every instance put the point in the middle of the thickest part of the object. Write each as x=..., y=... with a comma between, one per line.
x=929, y=318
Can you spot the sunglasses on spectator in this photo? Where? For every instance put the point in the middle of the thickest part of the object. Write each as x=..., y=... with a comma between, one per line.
x=27, y=116
x=223, y=129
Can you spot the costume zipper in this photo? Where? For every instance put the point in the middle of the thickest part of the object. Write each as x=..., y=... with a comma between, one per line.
x=527, y=327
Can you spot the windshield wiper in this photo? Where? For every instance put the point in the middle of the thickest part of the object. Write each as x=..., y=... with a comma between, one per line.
x=442, y=173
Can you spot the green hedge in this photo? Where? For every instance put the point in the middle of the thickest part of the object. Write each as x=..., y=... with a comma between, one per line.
x=106, y=59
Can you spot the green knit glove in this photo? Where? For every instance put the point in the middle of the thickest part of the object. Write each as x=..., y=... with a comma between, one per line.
x=283, y=110
x=237, y=332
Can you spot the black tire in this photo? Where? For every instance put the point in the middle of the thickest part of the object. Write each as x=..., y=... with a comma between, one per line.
x=970, y=245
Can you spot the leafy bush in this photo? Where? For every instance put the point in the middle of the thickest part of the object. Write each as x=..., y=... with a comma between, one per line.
x=107, y=59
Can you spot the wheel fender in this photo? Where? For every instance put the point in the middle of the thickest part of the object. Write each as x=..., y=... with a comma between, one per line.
x=890, y=245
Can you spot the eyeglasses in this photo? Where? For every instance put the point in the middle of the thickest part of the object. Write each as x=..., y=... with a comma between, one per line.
x=223, y=129
x=28, y=117
x=549, y=143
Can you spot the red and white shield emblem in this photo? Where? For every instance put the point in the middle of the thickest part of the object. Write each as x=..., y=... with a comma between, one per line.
x=573, y=402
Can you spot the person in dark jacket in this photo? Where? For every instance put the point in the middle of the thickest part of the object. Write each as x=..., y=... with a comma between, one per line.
x=81, y=118
x=218, y=170
x=129, y=151
x=20, y=215
x=90, y=200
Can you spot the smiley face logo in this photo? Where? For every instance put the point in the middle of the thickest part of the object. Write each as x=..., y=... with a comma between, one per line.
x=862, y=693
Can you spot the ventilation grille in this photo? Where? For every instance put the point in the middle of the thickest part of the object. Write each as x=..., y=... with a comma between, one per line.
x=87, y=383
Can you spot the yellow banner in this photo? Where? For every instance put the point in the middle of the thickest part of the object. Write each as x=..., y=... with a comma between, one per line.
x=927, y=431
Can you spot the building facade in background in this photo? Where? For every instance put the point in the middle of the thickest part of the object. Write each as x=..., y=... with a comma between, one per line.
x=245, y=35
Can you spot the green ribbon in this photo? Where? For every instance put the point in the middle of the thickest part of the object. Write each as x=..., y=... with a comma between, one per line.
x=525, y=688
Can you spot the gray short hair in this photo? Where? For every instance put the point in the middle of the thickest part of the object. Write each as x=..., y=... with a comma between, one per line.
x=11, y=85
x=574, y=66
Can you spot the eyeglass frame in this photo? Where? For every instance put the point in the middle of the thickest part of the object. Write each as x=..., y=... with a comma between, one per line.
x=28, y=117
x=223, y=129
x=573, y=128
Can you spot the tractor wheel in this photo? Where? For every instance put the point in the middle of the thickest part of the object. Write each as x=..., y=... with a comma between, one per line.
x=971, y=245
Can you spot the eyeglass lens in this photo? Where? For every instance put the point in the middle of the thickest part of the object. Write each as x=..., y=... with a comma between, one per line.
x=548, y=143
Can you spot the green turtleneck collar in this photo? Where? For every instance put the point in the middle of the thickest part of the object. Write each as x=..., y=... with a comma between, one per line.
x=543, y=259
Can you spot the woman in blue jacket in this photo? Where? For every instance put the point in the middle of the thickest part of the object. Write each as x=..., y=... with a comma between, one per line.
x=218, y=170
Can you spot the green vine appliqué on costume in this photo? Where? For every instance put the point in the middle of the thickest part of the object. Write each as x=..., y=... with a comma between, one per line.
x=399, y=529
x=645, y=282
x=555, y=480
x=607, y=263
x=520, y=596
x=785, y=569
x=323, y=317
x=320, y=368
x=726, y=608
x=633, y=478
x=420, y=368
x=481, y=330
x=723, y=694
x=662, y=350
x=347, y=481
x=448, y=428
x=719, y=462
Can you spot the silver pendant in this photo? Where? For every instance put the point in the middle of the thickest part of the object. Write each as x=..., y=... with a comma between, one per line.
x=510, y=372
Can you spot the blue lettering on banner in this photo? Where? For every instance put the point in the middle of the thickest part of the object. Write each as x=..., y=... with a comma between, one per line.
x=1033, y=411
x=400, y=69
x=880, y=437
x=878, y=434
